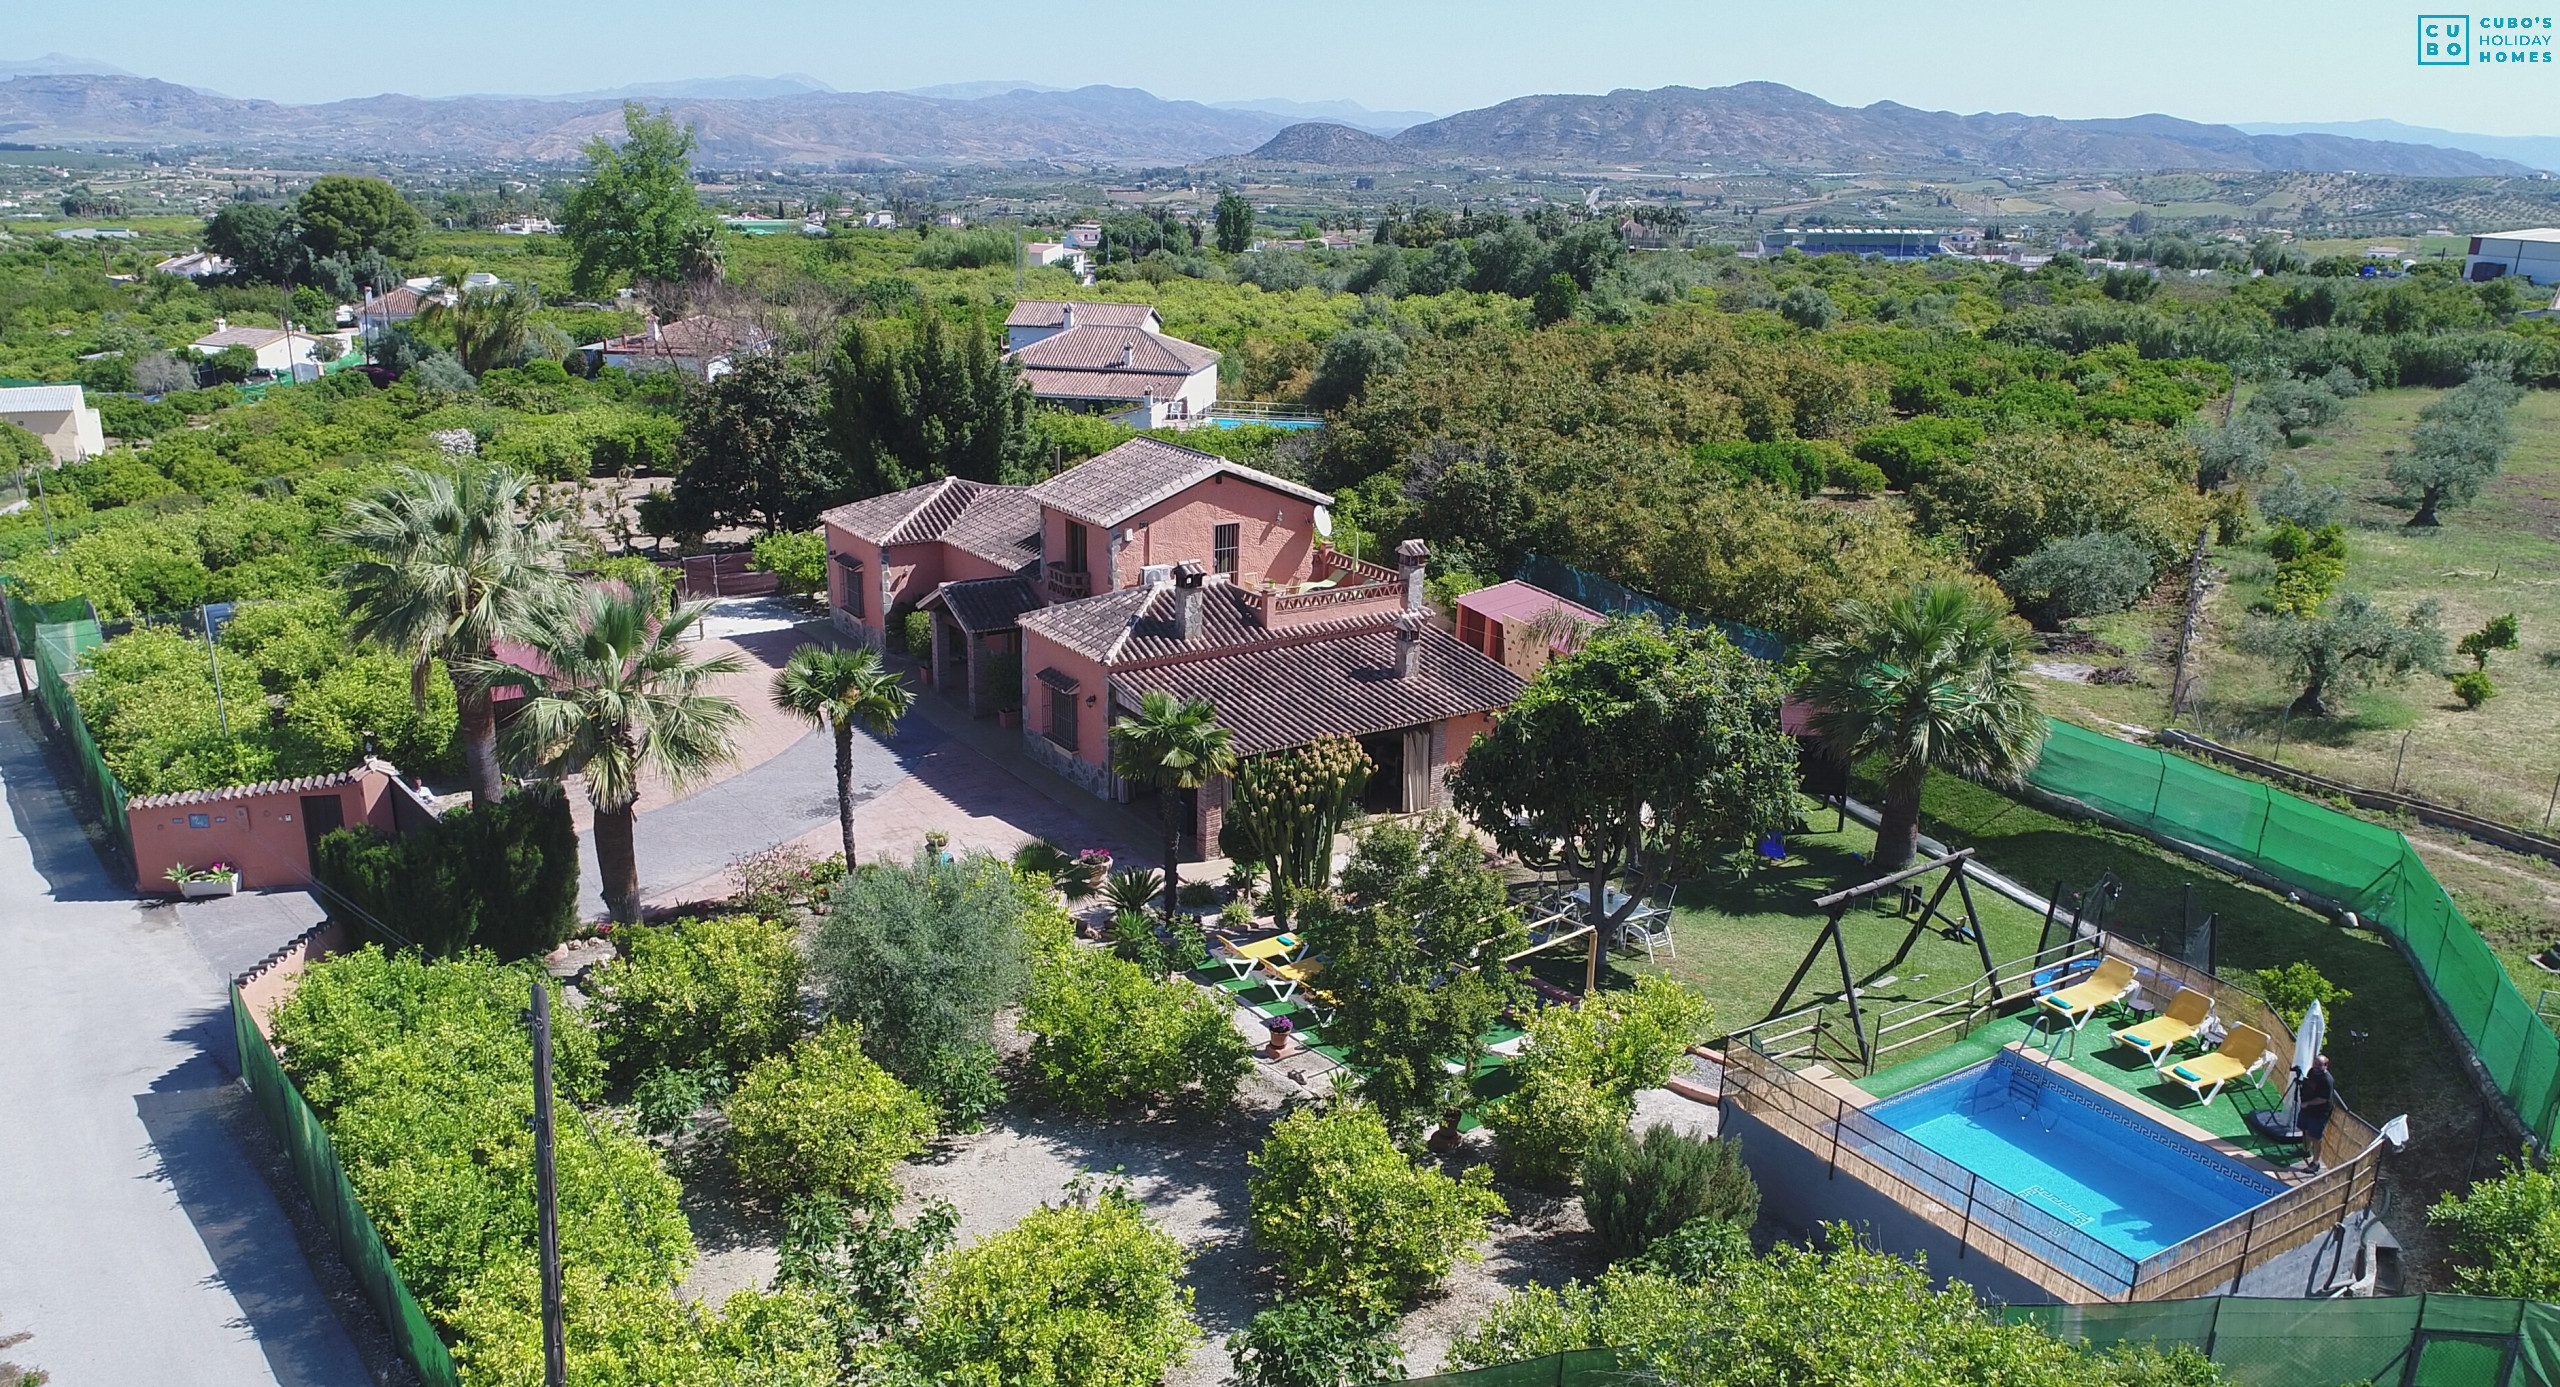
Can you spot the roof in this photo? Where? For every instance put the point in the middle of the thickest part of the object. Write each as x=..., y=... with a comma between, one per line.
x=2534, y=233
x=1273, y=699
x=401, y=300
x=1120, y=350
x=1100, y=385
x=1000, y=524
x=1052, y=312
x=1111, y=488
x=1135, y=625
x=241, y=337
x=1513, y=600
x=698, y=336
x=41, y=399
x=263, y=787
x=985, y=604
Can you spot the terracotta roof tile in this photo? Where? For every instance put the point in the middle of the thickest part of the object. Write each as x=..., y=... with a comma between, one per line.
x=1050, y=312
x=1345, y=686
x=1082, y=348
x=263, y=787
x=1109, y=489
x=985, y=604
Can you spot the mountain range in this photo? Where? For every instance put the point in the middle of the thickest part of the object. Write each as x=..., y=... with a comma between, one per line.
x=2541, y=151
x=795, y=120
x=1767, y=125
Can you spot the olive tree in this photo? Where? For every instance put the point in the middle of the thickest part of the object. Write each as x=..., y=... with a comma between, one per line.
x=2351, y=643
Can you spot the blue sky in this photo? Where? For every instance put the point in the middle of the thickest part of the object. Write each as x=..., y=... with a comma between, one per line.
x=2226, y=61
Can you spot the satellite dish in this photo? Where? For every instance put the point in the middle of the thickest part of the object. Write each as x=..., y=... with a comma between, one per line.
x=1324, y=522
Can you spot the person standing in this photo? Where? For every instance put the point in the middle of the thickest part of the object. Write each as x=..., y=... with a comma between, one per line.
x=2319, y=1095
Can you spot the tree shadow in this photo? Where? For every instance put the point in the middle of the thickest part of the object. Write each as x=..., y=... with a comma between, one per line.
x=256, y=1260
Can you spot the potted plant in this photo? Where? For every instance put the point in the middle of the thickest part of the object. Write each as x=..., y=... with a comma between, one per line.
x=1283, y=1037
x=220, y=879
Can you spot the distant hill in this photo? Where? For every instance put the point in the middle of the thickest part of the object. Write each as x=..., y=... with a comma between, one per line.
x=54, y=63
x=1350, y=113
x=1322, y=144
x=707, y=88
x=1096, y=124
x=1764, y=123
x=1756, y=124
x=2540, y=151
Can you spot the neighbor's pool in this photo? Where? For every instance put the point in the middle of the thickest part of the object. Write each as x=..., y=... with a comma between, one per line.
x=2127, y=1181
x=1223, y=421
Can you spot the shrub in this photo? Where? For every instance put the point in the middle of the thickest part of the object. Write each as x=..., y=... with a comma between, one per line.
x=2085, y=575
x=922, y=957
x=1132, y=889
x=1794, y=465
x=1808, y=307
x=2497, y=633
x=1105, y=1033
x=2292, y=501
x=501, y=877
x=1913, y=451
x=2503, y=1235
x=798, y=559
x=915, y=630
x=1579, y=1072
x=1693, y=1251
x=863, y=1267
x=1087, y=1293
x=2473, y=687
x=1858, y=477
x=1636, y=1190
x=2293, y=988
x=722, y=992
x=825, y=1118
x=1352, y=1219
x=665, y=1100
x=1314, y=1343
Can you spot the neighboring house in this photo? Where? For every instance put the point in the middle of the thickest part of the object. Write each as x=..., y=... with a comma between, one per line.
x=703, y=346
x=1035, y=320
x=398, y=306
x=2533, y=255
x=1521, y=627
x=1085, y=236
x=1047, y=253
x=1158, y=567
x=195, y=264
x=267, y=832
x=59, y=415
x=1134, y=374
x=279, y=350
x=528, y=226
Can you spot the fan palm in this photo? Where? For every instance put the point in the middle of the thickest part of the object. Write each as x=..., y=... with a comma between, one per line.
x=1932, y=679
x=488, y=325
x=621, y=697
x=1172, y=744
x=842, y=689
x=447, y=565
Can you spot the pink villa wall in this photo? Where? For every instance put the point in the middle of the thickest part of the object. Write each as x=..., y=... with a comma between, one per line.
x=915, y=570
x=1093, y=708
x=259, y=834
x=1275, y=540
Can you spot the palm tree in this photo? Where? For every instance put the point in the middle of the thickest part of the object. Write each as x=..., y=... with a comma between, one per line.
x=1173, y=744
x=1933, y=679
x=621, y=697
x=448, y=565
x=488, y=325
x=843, y=689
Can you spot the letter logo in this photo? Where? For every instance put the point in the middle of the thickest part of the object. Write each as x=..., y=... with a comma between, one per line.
x=2444, y=40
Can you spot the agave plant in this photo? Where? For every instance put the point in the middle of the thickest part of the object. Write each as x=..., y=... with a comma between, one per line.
x=1133, y=889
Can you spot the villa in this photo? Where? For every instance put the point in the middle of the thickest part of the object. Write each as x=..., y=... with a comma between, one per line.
x=1157, y=568
x=1113, y=359
x=703, y=347
x=58, y=415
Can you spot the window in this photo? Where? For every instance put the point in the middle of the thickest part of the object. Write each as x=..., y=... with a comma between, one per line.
x=1223, y=549
x=1075, y=547
x=849, y=570
x=1062, y=717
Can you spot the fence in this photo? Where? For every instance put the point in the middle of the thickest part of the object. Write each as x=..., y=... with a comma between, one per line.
x=1602, y=595
x=315, y=1163
x=49, y=637
x=2420, y=1341
x=722, y=575
x=1590, y=1367
x=2319, y=851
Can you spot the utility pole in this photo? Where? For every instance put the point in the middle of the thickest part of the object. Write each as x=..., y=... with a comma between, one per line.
x=205, y=612
x=555, y=1343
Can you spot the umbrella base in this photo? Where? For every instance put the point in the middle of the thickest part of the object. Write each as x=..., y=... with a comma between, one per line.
x=2274, y=1125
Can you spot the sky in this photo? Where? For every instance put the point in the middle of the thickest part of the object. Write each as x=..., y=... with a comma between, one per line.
x=2232, y=60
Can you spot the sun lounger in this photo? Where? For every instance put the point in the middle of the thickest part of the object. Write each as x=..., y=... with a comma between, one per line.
x=2176, y=1024
x=1295, y=982
x=2112, y=982
x=1244, y=958
x=2244, y=1055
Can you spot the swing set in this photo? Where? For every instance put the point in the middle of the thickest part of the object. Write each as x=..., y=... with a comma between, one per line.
x=1968, y=928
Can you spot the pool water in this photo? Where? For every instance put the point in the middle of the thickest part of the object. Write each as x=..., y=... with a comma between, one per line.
x=2111, y=1173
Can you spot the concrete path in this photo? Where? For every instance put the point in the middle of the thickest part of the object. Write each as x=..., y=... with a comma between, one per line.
x=137, y=1243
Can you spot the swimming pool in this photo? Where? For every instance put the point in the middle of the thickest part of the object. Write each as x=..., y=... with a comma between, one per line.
x=2076, y=1157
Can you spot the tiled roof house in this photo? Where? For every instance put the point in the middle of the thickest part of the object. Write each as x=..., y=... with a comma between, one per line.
x=1160, y=568
x=1111, y=358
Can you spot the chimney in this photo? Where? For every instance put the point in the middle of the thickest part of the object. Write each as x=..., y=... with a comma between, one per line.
x=1187, y=578
x=222, y=324
x=1128, y=353
x=1409, y=642
x=653, y=327
x=1411, y=557
x=1066, y=316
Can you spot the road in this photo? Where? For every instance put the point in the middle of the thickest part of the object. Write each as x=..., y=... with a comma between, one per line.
x=137, y=1243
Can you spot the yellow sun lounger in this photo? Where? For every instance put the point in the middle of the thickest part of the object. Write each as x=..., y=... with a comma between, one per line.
x=1295, y=982
x=2112, y=982
x=2177, y=1023
x=1244, y=958
x=2245, y=1054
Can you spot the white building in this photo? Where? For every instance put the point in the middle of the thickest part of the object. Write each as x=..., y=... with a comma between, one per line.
x=58, y=414
x=195, y=264
x=1125, y=368
x=279, y=350
x=2533, y=254
x=1035, y=319
x=1085, y=236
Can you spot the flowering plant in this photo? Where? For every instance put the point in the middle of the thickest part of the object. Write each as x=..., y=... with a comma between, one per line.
x=180, y=874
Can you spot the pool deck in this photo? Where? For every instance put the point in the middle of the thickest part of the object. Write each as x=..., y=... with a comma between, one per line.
x=2113, y=1071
